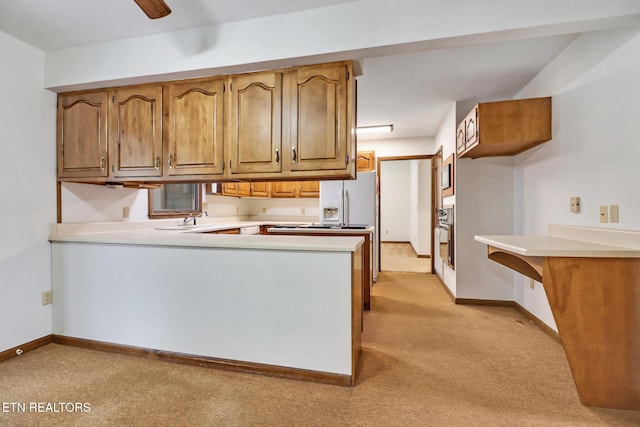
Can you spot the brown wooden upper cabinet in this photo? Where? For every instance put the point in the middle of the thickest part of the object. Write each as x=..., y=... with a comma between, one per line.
x=135, y=131
x=320, y=114
x=194, y=128
x=260, y=189
x=82, y=135
x=295, y=189
x=254, y=132
x=504, y=128
x=309, y=189
x=276, y=189
x=366, y=161
x=295, y=123
x=238, y=189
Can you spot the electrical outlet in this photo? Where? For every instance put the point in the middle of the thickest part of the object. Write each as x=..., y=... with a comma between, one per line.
x=532, y=284
x=302, y=211
x=574, y=204
x=205, y=206
x=264, y=210
x=46, y=298
x=125, y=212
x=237, y=211
x=604, y=214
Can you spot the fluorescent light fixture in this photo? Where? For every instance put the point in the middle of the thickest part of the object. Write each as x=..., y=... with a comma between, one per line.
x=374, y=129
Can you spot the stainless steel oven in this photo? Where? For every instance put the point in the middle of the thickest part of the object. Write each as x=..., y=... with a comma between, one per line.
x=446, y=233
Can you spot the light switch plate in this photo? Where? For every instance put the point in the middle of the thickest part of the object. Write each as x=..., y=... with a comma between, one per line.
x=604, y=214
x=613, y=213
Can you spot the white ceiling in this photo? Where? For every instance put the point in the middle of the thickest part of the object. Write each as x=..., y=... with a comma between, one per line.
x=412, y=91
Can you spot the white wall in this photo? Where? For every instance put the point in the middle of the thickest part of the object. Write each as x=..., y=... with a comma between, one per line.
x=305, y=36
x=420, y=206
x=594, y=152
x=484, y=205
x=298, y=209
x=398, y=147
x=27, y=192
x=395, y=201
x=98, y=203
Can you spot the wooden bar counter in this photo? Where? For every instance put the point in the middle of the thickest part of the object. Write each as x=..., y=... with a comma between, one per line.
x=593, y=288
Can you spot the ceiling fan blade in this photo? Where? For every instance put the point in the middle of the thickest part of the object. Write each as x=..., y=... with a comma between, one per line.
x=154, y=9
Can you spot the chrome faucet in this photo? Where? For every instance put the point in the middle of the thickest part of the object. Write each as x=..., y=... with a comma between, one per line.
x=191, y=218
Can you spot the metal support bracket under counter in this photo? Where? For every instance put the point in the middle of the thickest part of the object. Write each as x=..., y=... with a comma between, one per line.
x=591, y=277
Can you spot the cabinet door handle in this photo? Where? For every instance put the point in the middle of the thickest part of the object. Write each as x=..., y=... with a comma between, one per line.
x=170, y=161
x=293, y=154
x=103, y=163
x=277, y=156
x=346, y=159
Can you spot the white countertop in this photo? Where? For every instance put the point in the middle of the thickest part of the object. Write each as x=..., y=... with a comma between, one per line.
x=146, y=234
x=570, y=241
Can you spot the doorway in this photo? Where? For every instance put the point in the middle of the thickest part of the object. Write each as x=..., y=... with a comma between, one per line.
x=405, y=221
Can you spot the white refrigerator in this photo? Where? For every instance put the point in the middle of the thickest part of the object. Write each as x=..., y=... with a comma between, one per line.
x=352, y=202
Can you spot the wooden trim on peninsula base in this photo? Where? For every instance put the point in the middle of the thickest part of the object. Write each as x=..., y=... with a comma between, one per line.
x=31, y=345
x=209, y=362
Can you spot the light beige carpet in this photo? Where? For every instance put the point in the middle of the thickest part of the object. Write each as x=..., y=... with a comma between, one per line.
x=400, y=256
x=425, y=362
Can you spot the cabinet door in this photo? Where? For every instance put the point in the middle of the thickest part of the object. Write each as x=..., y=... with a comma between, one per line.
x=135, y=131
x=284, y=188
x=254, y=135
x=320, y=134
x=471, y=129
x=460, y=137
x=82, y=135
x=260, y=189
x=309, y=189
x=229, y=188
x=366, y=161
x=237, y=189
x=194, y=128
x=244, y=189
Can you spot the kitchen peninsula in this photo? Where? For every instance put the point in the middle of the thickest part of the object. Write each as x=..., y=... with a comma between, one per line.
x=279, y=305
